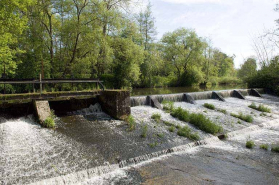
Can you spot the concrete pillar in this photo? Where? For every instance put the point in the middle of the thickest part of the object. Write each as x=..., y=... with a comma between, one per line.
x=115, y=103
x=42, y=110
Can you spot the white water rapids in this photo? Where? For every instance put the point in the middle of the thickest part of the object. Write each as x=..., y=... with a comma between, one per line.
x=85, y=151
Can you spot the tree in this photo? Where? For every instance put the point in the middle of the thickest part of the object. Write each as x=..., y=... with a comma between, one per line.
x=248, y=69
x=183, y=49
x=13, y=22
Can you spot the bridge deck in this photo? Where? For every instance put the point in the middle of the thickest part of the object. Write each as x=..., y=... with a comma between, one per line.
x=51, y=96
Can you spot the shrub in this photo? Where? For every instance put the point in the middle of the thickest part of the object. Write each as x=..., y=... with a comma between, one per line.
x=264, y=146
x=275, y=149
x=156, y=117
x=247, y=118
x=171, y=129
x=250, y=144
x=261, y=108
x=209, y=106
x=144, y=131
x=131, y=123
x=186, y=132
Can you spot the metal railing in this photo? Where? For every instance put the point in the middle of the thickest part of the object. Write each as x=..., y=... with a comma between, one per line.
x=49, y=81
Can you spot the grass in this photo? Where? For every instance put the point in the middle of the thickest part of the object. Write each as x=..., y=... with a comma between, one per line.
x=49, y=122
x=168, y=123
x=144, y=131
x=222, y=110
x=261, y=108
x=247, y=118
x=168, y=105
x=131, y=123
x=186, y=132
x=199, y=120
x=250, y=144
x=153, y=145
x=275, y=149
x=156, y=117
x=209, y=106
x=172, y=129
x=160, y=135
x=264, y=146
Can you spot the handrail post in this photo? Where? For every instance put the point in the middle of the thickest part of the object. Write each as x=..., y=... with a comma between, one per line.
x=41, y=85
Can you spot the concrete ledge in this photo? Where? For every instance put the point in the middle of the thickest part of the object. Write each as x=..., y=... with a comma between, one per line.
x=153, y=102
x=115, y=103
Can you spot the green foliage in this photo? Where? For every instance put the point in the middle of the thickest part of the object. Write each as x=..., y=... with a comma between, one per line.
x=160, y=135
x=186, y=132
x=250, y=144
x=199, y=120
x=275, y=149
x=261, y=108
x=131, y=123
x=247, y=118
x=156, y=117
x=209, y=106
x=248, y=69
x=222, y=110
x=264, y=146
x=153, y=145
x=168, y=123
x=144, y=131
x=49, y=122
x=172, y=129
x=203, y=123
x=168, y=105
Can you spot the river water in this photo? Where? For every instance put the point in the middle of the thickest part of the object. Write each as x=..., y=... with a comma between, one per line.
x=89, y=147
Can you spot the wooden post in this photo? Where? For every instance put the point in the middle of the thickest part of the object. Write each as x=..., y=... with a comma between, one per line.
x=41, y=86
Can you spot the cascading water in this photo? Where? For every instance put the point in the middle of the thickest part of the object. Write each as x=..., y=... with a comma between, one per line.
x=90, y=149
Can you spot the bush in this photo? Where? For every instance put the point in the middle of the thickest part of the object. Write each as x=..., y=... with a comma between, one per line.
x=261, y=108
x=227, y=80
x=264, y=146
x=209, y=106
x=243, y=117
x=186, y=132
x=131, y=123
x=156, y=117
x=250, y=144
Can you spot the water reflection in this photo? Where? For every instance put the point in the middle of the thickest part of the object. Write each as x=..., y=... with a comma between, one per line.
x=172, y=90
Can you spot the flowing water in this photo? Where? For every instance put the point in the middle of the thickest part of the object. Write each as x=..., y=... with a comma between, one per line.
x=89, y=147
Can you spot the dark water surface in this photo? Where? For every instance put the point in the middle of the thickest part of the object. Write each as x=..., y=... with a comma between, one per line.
x=172, y=90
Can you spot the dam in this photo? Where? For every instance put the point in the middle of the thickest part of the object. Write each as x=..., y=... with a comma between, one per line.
x=89, y=146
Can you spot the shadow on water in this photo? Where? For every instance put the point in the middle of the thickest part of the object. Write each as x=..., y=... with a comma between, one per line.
x=173, y=90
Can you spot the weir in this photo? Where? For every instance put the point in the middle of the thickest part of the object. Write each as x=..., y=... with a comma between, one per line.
x=191, y=97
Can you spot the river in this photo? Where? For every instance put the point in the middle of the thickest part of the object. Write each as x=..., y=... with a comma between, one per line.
x=173, y=90
x=89, y=147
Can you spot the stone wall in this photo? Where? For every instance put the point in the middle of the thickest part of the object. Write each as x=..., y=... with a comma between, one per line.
x=115, y=103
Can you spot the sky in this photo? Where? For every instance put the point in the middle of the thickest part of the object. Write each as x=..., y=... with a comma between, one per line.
x=230, y=24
